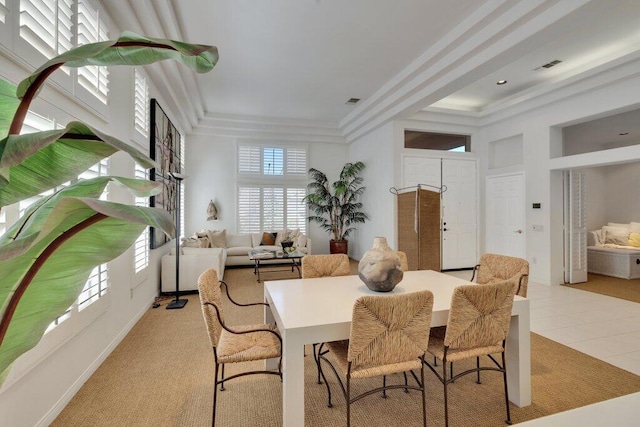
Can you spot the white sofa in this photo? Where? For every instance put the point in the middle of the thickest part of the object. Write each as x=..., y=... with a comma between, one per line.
x=614, y=250
x=235, y=252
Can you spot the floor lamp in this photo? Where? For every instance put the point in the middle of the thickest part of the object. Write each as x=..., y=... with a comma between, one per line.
x=177, y=303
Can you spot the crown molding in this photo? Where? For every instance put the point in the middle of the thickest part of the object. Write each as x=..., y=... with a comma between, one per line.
x=269, y=128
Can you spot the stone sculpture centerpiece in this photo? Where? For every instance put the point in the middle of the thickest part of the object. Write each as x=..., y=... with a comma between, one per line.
x=380, y=267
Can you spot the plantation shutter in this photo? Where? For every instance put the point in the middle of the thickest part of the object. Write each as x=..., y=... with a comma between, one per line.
x=141, y=103
x=46, y=25
x=92, y=28
x=297, y=161
x=249, y=210
x=249, y=159
x=272, y=208
x=141, y=245
x=296, y=209
x=576, y=220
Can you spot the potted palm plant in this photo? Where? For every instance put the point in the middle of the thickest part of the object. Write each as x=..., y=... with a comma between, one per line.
x=47, y=255
x=336, y=205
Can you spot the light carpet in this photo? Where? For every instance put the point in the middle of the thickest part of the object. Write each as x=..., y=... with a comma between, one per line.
x=162, y=375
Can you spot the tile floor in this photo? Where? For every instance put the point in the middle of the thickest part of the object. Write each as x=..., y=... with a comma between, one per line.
x=603, y=327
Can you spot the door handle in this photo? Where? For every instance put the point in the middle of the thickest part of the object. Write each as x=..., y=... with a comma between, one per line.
x=518, y=231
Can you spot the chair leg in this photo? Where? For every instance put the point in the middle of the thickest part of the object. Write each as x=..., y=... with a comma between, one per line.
x=506, y=391
x=348, y=401
x=317, y=359
x=406, y=382
x=424, y=397
x=451, y=369
x=329, y=404
x=478, y=367
x=444, y=383
x=215, y=395
x=222, y=379
x=384, y=384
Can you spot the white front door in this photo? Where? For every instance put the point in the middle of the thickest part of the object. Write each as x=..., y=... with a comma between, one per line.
x=421, y=170
x=506, y=231
x=459, y=214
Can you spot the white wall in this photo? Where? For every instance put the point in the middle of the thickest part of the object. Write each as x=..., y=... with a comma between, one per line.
x=379, y=154
x=211, y=170
x=611, y=194
x=38, y=396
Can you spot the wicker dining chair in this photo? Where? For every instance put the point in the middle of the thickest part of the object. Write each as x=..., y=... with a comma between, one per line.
x=389, y=335
x=494, y=268
x=324, y=266
x=404, y=263
x=238, y=344
x=478, y=325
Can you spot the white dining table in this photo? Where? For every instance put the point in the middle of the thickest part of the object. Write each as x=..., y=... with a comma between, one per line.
x=317, y=310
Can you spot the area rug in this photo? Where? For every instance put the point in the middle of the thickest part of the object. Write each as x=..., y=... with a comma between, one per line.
x=611, y=286
x=161, y=374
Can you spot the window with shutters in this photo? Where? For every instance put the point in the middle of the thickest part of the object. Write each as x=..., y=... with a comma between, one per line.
x=47, y=25
x=141, y=104
x=92, y=28
x=272, y=182
x=141, y=245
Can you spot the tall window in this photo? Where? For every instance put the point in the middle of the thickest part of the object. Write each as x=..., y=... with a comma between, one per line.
x=92, y=28
x=271, y=186
x=47, y=25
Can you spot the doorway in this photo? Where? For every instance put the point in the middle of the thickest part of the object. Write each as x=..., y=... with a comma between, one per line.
x=505, y=215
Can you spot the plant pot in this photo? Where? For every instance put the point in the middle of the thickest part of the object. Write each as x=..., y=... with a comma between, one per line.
x=339, y=247
x=286, y=244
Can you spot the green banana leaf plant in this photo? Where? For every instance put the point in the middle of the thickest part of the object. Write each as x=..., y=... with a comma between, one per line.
x=48, y=254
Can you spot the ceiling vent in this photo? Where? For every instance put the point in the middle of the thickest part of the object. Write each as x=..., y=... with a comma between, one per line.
x=548, y=64
x=353, y=101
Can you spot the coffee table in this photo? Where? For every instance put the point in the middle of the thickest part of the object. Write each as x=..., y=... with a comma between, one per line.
x=259, y=257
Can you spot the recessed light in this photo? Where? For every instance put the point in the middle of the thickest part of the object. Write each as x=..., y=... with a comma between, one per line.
x=501, y=82
x=623, y=133
x=352, y=101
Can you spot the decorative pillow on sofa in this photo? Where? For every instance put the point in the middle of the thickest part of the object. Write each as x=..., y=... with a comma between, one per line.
x=195, y=242
x=634, y=240
x=634, y=227
x=615, y=235
x=217, y=238
x=302, y=241
x=619, y=225
x=268, y=239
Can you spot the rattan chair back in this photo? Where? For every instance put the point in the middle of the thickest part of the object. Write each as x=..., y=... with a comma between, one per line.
x=325, y=266
x=479, y=315
x=404, y=263
x=210, y=292
x=494, y=268
x=389, y=329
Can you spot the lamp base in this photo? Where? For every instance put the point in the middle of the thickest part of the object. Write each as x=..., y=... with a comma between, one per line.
x=177, y=303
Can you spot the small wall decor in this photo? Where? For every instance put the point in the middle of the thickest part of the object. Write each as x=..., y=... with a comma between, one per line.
x=212, y=212
x=164, y=148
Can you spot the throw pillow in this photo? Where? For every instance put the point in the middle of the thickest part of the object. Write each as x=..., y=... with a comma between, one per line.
x=615, y=235
x=619, y=225
x=634, y=227
x=634, y=240
x=194, y=242
x=302, y=241
x=268, y=239
x=287, y=235
x=218, y=239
